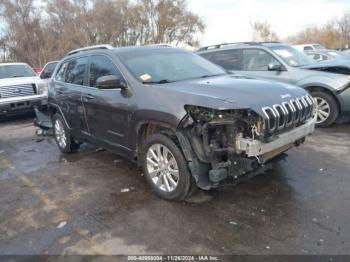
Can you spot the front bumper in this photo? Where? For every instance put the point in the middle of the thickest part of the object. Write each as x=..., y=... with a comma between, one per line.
x=19, y=104
x=344, y=100
x=255, y=148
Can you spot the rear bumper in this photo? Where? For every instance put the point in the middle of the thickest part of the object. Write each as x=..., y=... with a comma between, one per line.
x=255, y=148
x=16, y=105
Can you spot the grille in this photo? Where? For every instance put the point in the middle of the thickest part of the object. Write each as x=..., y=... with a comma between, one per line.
x=286, y=114
x=17, y=90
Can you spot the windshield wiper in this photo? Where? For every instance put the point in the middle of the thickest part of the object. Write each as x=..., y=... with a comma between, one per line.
x=163, y=81
x=206, y=76
x=16, y=76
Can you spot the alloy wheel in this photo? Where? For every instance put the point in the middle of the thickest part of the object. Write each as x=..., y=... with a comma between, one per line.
x=162, y=167
x=60, y=133
x=322, y=110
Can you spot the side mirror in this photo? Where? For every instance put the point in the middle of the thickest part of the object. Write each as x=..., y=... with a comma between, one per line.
x=274, y=67
x=109, y=82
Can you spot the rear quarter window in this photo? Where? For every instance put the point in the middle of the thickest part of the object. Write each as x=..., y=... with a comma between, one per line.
x=227, y=59
x=60, y=72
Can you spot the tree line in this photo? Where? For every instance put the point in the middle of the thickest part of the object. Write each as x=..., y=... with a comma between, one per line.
x=335, y=34
x=38, y=31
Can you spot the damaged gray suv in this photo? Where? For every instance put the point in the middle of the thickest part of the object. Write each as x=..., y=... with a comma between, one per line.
x=184, y=120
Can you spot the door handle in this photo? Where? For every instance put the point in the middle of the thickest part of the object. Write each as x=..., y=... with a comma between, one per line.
x=88, y=97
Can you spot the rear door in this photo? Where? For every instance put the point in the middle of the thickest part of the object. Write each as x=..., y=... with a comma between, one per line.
x=67, y=86
x=230, y=60
x=256, y=64
x=106, y=110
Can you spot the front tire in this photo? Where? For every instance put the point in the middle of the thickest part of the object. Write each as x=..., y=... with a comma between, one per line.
x=165, y=168
x=326, y=108
x=64, y=140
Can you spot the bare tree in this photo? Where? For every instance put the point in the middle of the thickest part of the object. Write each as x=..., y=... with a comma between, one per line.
x=37, y=33
x=343, y=27
x=326, y=35
x=262, y=31
x=23, y=35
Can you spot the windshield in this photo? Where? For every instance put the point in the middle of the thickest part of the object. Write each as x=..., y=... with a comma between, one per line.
x=292, y=56
x=10, y=71
x=164, y=66
x=319, y=47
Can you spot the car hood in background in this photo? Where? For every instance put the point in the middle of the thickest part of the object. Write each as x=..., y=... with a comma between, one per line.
x=340, y=66
x=19, y=81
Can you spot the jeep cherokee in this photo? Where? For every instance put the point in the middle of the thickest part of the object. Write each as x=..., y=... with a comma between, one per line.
x=282, y=62
x=182, y=118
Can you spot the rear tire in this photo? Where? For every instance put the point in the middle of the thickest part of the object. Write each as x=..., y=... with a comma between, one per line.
x=64, y=140
x=165, y=168
x=326, y=108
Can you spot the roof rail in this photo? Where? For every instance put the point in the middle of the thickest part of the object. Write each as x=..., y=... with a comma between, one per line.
x=88, y=48
x=234, y=43
x=160, y=45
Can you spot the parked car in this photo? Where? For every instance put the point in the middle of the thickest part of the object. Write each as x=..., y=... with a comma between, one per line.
x=327, y=54
x=282, y=62
x=182, y=118
x=20, y=89
x=309, y=47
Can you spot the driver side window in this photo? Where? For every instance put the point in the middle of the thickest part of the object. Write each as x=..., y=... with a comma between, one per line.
x=257, y=60
x=101, y=66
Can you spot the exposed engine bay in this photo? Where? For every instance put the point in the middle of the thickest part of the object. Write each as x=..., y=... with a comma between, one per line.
x=232, y=143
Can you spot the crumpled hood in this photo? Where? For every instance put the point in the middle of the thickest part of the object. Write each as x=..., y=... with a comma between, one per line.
x=329, y=63
x=231, y=92
x=19, y=81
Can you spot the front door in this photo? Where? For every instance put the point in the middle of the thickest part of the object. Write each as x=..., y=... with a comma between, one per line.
x=256, y=64
x=106, y=110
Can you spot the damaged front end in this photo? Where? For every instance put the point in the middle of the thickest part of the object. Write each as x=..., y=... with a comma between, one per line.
x=226, y=145
x=43, y=121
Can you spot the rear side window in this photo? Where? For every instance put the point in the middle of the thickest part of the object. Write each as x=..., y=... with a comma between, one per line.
x=75, y=73
x=227, y=59
x=101, y=66
x=257, y=60
x=308, y=48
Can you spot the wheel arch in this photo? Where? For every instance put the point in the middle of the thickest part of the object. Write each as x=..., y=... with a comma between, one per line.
x=326, y=90
x=146, y=128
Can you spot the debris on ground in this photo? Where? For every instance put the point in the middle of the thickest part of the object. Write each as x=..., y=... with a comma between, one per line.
x=314, y=219
x=29, y=151
x=100, y=149
x=44, y=132
x=268, y=247
x=40, y=140
x=125, y=190
x=62, y=224
x=117, y=161
x=321, y=169
x=232, y=222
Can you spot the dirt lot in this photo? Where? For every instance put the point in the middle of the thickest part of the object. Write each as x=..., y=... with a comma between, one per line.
x=76, y=204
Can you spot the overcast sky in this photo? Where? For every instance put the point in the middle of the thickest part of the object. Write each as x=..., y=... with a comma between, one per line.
x=228, y=20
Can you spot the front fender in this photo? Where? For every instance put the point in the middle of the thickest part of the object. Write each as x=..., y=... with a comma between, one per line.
x=142, y=117
x=328, y=83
